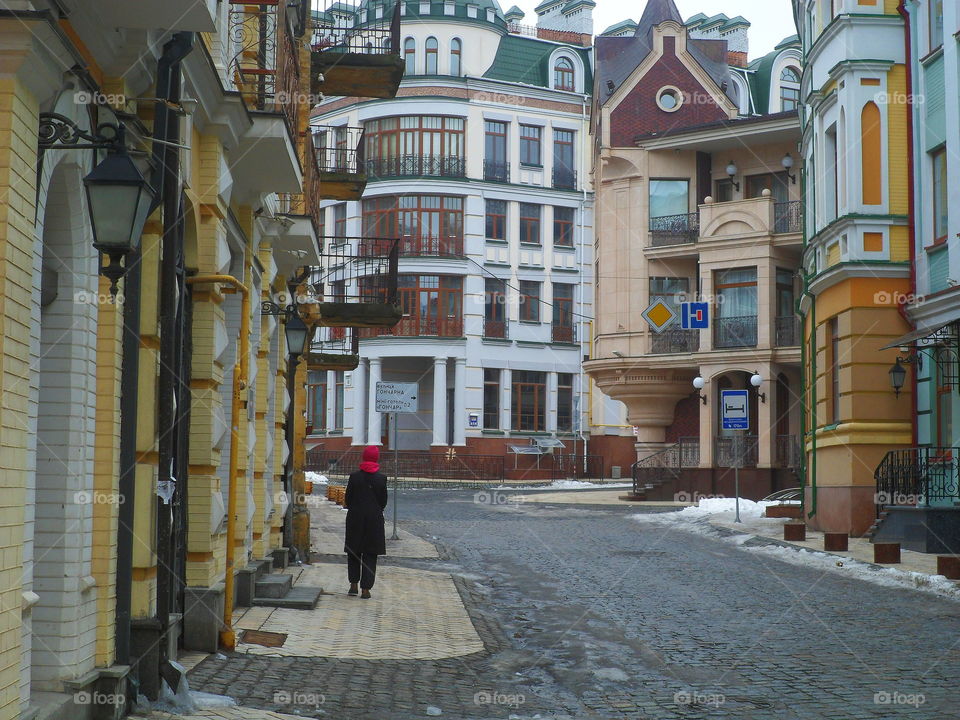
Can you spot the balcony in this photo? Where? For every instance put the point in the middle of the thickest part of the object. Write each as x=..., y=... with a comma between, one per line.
x=354, y=290
x=416, y=166
x=563, y=333
x=496, y=171
x=736, y=451
x=338, y=155
x=735, y=332
x=788, y=217
x=448, y=246
x=353, y=56
x=787, y=331
x=496, y=329
x=564, y=178
x=450, y=326
x=333, y=348
x=670, y=230
x=675, y=341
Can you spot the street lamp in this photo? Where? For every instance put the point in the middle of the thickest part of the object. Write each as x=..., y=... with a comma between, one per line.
x=787, y=163
x=295, y=333
x=698, y=384
x=898, y=374
x=757, y=380
x=120, y=199
x=732, y=172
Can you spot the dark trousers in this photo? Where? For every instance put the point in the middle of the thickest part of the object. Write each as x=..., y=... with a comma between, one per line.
x=362, y=568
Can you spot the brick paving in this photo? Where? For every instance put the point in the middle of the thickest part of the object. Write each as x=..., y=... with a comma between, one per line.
x=585, y=613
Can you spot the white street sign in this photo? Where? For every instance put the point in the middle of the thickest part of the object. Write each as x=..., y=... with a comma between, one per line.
x=397, y=397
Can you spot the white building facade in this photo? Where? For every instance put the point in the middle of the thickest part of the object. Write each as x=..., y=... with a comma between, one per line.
x=480, y=167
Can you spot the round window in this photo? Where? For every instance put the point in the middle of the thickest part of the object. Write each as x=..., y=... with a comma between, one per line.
x=669, y=99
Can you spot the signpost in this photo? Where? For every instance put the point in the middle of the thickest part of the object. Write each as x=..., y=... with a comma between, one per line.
x=396, y=398
x=735, y=415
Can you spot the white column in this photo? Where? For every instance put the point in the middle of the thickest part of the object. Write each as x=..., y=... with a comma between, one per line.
x=459, y=402
x=440, y=401
x=551, y=402
x=506, y=395
x=330, y=420
x=359, y=405
x=373, y=417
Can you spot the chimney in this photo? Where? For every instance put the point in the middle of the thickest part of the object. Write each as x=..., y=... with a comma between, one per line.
x=568, y=21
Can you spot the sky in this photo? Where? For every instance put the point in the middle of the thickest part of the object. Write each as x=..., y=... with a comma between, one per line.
x=771, y=20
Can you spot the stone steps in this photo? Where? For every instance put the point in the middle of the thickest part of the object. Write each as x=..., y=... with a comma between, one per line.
x=301, y=597
x=272, y=586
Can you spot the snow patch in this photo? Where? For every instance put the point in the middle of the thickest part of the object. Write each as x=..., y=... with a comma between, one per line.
x=565, y=485
x=615, y=674
x=316, y=478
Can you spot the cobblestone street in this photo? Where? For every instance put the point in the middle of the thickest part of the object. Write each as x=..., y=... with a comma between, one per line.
x=585, y=613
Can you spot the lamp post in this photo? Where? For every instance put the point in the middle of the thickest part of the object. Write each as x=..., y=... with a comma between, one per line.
x=732, y=173
x=296, y=333
x=698, y=384
x=898, y=375
x=787, y=163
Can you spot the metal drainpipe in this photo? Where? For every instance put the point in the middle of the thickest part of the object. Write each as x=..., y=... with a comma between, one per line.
x=579, y=260
x=813, y=391
x=168, y=87
x=240, y=369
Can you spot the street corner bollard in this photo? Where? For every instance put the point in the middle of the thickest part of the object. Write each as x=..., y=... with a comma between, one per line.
x=794, y=531
x=949, y=566
x=886, y=553
x=836, y=542
x=330, y=491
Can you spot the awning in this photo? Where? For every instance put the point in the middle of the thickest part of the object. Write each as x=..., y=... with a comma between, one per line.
x=916, y=335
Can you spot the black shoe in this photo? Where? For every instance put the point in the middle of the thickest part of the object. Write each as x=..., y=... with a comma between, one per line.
x=365, y=595
x=352, y=590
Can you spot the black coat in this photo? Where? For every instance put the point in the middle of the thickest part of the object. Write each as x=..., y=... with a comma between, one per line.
x=366, y=500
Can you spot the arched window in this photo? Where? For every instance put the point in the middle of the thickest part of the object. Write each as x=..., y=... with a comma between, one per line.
x=432, y=48
x=410, y=55
x=563, y=76
x=456, y=52
x=789, y=89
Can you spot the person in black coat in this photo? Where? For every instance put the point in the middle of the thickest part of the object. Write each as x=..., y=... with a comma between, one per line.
x=366, y=499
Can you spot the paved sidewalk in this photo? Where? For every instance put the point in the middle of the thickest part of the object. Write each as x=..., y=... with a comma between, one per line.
x=591, y=497
x=234, y=713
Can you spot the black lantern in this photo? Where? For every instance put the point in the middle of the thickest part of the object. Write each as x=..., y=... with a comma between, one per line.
x=898, y=374
x=120, y=200
x=296, y=335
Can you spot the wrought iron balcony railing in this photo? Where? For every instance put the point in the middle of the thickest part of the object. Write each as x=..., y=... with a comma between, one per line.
x=919, y=476
x=670, y=230
x=563, y=333
x=347, y=276
x=416, y=166
x=339, y=149
x=734, y=332
x=675, y=341
x=346, y=27
x=787, y=331
x=496, y=329
x=666, y=465
x=496, y=171
x=736, y=451
x=419, y=246
x=788, y=217
x=564, y=178
x=413, y=326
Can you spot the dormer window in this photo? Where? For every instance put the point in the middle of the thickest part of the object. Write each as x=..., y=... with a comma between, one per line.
x=564, y=77
x=789, y=89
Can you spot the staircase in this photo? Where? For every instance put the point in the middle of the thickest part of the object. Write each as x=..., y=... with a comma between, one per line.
x=877, y=524
x=259, y=587
x=654, y=477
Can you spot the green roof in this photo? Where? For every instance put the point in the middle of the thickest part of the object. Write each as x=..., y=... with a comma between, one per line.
x=761, y=71
x=622, y=25
x=702, y=21
x=573, y=4
x=526, y=60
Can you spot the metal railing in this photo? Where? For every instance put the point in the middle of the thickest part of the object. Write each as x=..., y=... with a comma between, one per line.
x=917, y=476
x=675, y=341
x=496, y=329
x=787, y=452
x=333, y=33
x=736, y=451
x=787, y=331
x=413, y=326
x=563, y=333
x=670, y=230
x=666, y=465
x=419, y=246
x=733, y=332
x=564, y=178
x=573, y=465
x=338, y=149
x=496, y=171
x=337, y=465
x=416, y=166
x=788, y=217
x=346, y=276
x=307, y=203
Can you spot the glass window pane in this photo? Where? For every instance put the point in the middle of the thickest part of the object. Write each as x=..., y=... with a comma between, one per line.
x=669, y=197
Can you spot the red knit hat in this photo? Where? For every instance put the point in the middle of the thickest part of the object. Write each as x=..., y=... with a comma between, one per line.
x=371, y=453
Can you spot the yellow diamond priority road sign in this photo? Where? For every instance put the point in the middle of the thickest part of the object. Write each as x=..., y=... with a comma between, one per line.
x=659, y=315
